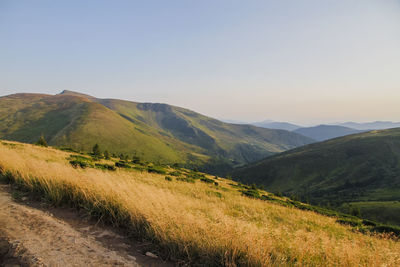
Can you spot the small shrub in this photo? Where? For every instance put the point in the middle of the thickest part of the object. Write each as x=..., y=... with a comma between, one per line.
x=216, y=183
x=251, y=193
x=79, y=157
x=79, y=163
x=176, y=165
x=10, y=145
x=139, y=168
x=156, y=169
x=135, y=159
x=185, y=179
x=386, y=229
x=368, y=222
x=105, y=167
x=168, y=178
x=207, y=180
x=175, y=173
x=41, y=141
x=348, y=221
x=195, y=175
x=238, y=185
x=266, y=197
x=122, y=164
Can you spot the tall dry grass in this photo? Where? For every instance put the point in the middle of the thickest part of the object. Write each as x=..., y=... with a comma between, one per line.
x=192, y=222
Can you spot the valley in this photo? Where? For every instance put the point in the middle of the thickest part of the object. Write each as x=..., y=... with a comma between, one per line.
x=362, y=170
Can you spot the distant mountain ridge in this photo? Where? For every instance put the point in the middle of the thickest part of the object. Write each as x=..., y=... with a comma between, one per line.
x=154, y=132
x=277, y=125
x=377, y=125
x=325, y=132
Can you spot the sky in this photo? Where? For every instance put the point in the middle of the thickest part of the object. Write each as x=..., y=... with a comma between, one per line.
x=302, y=61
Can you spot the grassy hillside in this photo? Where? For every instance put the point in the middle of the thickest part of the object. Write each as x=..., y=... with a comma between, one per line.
x=79, y=123
x=154, y=132
x=199, y=221
x=357, y=168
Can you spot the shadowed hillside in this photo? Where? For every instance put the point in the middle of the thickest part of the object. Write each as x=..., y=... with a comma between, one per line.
x=154, y=132
x=361, y=169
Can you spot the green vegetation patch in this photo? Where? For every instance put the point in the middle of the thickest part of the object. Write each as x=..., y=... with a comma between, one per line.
x=78, y=161
x=10, y=145
x=156, y=169
x=108, y=167
x=122, y=164
x=175, y=173
x=253, y=193
x=185, y=179
x=195, y=175
x=207, y=180
x=214, y=194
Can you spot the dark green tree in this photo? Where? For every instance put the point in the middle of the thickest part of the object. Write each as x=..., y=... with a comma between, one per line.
x=41, y=141
x=253, y=186
x=355, y=211
x=96, y=151
x=106, y=155
x=135, y=159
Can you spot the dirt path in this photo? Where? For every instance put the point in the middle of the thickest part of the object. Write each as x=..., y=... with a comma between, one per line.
x=33, y=236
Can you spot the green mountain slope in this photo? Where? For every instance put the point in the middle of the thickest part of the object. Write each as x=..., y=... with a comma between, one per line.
x=154, y=132
x=362, y=169
x=77, y=122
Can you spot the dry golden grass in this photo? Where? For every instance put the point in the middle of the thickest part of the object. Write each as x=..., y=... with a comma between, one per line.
x=191, y=222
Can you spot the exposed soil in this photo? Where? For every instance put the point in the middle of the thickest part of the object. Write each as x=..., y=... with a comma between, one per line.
x=33, y=234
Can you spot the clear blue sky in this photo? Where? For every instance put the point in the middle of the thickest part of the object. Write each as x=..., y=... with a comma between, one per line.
x=301, y=61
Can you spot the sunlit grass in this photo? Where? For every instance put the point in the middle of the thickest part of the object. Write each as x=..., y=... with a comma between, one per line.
x=198, y=223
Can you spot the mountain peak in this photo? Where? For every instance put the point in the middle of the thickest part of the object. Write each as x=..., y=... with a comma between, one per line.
x=68, y=92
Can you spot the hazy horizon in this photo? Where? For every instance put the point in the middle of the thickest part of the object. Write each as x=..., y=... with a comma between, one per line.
x=305, y=62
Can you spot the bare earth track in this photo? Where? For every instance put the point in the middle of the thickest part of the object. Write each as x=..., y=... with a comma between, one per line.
x=32, y=236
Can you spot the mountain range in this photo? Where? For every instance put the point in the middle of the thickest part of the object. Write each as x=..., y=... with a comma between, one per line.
x=154, y=132
x=376, y=125
x=325, y=132
x=277, y=125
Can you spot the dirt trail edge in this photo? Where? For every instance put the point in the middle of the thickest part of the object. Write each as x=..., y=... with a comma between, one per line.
x=33, y=236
